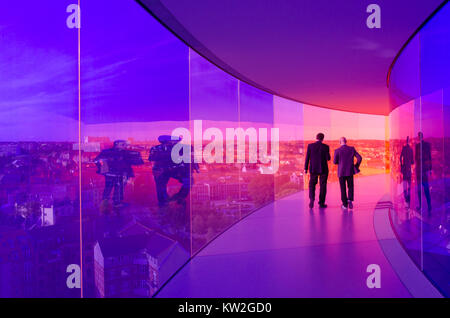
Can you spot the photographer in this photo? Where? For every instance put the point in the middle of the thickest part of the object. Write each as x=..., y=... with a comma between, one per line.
x=116, y=165
x=164, y=168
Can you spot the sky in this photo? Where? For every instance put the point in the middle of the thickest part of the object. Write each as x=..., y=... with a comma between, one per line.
x=133, y=70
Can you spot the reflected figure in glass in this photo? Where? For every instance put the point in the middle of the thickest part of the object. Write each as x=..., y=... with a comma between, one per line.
x=423, y=169
x=164, y=168
x=115, y=164
x=406, y=161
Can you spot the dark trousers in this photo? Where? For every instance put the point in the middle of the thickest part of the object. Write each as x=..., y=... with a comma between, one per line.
x=407, y=189
x=161, y=181
x=323, y=186
x=426, y=188
x=346, y=182
x=186, y=183
x=116, y=183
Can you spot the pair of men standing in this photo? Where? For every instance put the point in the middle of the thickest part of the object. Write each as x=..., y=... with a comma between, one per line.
x=116, y=165
x=316, y=161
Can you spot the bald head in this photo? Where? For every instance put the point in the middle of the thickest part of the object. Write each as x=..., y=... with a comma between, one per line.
x=343, y=141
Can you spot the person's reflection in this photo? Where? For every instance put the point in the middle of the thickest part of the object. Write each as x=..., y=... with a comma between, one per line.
x=164, y=169
x=423, y=168
x=116, y=165
x=347, y=226
x=406, y=161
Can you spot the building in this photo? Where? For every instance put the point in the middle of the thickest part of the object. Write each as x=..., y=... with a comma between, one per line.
x=201, y=192
x=136, y=263
x=47, y=215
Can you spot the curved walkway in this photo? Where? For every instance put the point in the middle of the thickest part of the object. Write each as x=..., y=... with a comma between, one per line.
x=286, y=250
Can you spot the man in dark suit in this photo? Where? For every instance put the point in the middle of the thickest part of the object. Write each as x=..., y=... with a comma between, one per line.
x=344, y=158
x=164, y=168
x=406, y=161
x=116, y=165
x=423, y=168
x=317, y=157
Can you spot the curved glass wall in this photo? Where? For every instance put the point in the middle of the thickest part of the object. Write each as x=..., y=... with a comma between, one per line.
x=419, y=143
x=92, y=203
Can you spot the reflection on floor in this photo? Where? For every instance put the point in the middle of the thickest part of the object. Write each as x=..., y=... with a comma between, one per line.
x=286, y=250
x=420, y=232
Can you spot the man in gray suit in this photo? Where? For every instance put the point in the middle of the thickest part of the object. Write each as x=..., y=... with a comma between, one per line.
x=344, y=158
